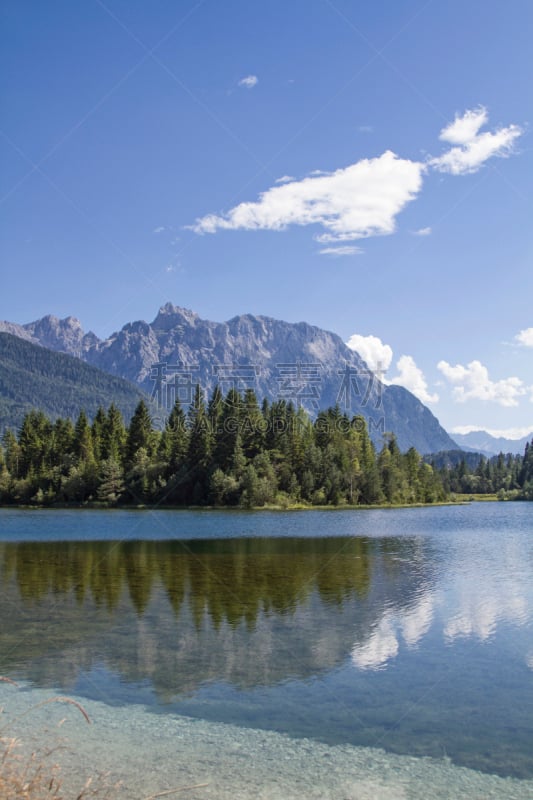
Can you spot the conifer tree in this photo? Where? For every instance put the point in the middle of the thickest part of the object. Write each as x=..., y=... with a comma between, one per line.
x=140, y=434
x=252, y=427
x=174, y=439
x=13, y=455
x=82, y=444
x=113, y=435
x=198, y=451
x=97, y=431
x=229, y=428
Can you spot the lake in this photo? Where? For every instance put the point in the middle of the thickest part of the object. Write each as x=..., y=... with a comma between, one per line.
x=330, y=654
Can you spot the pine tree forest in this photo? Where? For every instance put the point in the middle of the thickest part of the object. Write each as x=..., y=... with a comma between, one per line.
x=232, y=451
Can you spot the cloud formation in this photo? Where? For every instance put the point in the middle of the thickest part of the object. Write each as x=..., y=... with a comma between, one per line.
x=472, y=147
x=378, y=357
x=341, y=250
x=525, y=337
x=352, y=203
x=473, y=383
x=364, y=198
x=373, y=351
x=464, y=129
x=411, y=377
x=284, y=179
x=249, y=81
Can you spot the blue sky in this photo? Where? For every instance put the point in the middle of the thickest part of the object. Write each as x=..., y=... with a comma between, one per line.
x=365, y=167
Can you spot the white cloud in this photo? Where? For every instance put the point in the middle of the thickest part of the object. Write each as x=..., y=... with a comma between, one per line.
x=365, y=129
x=473, y=383
x=342, y=250
x=378, y=356
x=364, y=198
x=525, y=337
x=463, y=129
x=373, y=351
x=464, y=429
x=473, y=148
x=411, y=377
x=159, y=229
x=351, y=203
x=249, y=81
x=506, y=433
x=284, y=179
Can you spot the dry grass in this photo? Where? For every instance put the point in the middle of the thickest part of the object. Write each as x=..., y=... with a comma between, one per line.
x=37, y=775
x=26, y=778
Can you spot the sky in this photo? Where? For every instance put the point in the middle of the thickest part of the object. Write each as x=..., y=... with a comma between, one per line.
x=365, y=167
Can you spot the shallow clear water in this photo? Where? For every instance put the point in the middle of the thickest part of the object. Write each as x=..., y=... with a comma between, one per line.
x=399, y=641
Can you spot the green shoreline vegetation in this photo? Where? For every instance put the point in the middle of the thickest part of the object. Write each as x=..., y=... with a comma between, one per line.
x=232, y=452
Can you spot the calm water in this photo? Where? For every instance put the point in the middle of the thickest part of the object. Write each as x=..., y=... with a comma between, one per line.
x=407, y=631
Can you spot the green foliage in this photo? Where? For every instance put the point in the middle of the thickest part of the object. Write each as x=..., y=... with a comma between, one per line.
x=33, y=376
x=233, y=452
x=111, y=482
x=508, y=476
x=141, y=435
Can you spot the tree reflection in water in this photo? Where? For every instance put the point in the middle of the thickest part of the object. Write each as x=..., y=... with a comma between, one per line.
x=179, y=613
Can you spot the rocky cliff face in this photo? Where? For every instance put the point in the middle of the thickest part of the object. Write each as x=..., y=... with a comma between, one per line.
x=64, y=335
x=295, y=361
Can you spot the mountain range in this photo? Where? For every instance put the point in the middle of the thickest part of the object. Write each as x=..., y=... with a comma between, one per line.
x=485, y=443
x=297, y=362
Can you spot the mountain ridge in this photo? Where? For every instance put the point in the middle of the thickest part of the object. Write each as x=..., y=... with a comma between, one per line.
x=484, y=442
x=280, y=360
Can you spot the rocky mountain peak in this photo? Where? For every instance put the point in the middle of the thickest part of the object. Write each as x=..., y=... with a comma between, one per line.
x=171, y=316
x=297, y=362
x=63, y=335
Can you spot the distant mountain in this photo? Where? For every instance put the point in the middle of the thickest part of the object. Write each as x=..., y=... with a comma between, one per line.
x=483, y=442
x=60, y=385
x=64, y=335
x=295, y=361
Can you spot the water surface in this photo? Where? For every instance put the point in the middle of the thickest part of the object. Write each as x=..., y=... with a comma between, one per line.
x=374, y=634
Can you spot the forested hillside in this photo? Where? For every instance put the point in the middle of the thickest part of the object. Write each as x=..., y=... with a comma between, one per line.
x=60, y=385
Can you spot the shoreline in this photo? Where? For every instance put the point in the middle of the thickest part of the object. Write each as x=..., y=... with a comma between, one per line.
x=459, y=500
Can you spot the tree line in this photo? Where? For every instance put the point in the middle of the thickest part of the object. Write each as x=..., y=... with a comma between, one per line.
x=229, y=451
x=508, y=476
